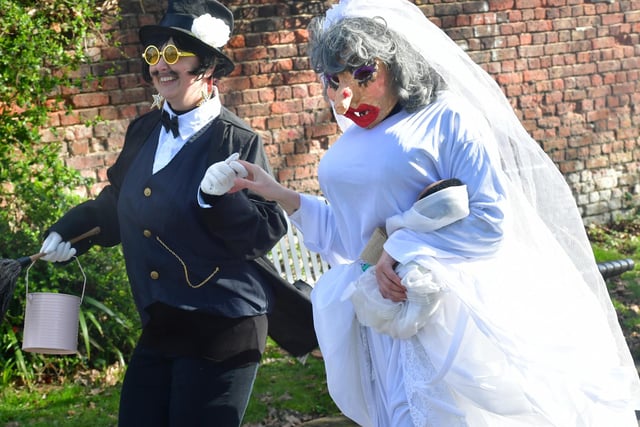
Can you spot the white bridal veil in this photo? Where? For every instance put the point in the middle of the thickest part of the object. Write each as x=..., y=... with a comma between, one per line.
x=548, y=226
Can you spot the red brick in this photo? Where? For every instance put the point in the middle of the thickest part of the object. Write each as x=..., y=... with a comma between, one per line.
x=603, y=43
x=285, y=106
x=567, y=63
x=535, y=75
x=84, y=100
x=501, y=4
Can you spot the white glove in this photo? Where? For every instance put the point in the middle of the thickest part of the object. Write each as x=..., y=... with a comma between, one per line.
x=218, y=179
x=56, y=250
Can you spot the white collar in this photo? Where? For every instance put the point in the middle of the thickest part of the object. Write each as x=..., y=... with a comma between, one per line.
x=192, y=121
x=188, y=124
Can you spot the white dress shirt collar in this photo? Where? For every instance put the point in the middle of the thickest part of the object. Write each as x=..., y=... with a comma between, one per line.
x=189, y=123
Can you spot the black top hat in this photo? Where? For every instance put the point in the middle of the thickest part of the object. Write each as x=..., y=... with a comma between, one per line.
x=207, y=22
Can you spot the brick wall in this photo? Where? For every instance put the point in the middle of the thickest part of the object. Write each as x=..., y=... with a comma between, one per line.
x=570, y=69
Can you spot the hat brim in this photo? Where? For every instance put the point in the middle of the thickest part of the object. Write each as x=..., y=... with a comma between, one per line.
x=224, y=65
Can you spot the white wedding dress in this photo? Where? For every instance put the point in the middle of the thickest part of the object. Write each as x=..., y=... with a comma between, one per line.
x=518, y=338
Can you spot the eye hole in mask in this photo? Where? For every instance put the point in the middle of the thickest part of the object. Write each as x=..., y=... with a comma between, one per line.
x=362, y=74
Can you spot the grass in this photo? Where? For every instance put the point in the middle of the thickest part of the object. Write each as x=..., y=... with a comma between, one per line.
x=286, y=388
x=615, y=241
x=72, y=405
x=285, y=385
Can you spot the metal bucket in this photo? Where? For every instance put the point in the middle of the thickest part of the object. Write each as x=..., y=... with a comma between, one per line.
x=51, y=321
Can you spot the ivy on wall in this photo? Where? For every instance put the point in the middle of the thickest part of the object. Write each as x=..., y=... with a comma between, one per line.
x=43, y=45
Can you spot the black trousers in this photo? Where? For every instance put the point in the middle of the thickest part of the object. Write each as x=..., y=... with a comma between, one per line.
x=180, y=391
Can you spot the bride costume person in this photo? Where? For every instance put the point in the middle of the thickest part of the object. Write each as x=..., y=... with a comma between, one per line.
x=524, y=333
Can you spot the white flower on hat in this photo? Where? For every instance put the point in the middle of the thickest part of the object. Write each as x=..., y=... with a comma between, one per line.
x=213, y=31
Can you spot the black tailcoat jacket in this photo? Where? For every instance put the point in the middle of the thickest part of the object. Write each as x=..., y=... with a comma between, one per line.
x=182, y=254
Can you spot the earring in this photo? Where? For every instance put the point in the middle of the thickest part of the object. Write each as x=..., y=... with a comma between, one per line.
x=206, y=95
x=157, y=101
x=207, y=91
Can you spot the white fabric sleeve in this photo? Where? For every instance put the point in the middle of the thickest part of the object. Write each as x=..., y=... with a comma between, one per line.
x=315, y=221
x=478, y=234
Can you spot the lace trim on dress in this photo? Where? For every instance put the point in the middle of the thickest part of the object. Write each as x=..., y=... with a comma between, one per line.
x=430, y=404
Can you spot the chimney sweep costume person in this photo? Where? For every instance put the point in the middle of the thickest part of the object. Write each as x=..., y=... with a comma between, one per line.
x=190, y=249
x=524, y=332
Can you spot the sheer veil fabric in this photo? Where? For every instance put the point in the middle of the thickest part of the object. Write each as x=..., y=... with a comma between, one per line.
x=546, y=269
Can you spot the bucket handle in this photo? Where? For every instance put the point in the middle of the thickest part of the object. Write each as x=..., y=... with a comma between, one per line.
x=33, y=258
x=84, y=276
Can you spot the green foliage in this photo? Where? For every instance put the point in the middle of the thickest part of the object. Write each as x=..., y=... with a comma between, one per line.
x=41, y=51
x=618, y=240
x=283, y=386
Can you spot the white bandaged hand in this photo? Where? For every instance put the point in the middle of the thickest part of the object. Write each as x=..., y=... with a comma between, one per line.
x=55, y=249
x=219, y=178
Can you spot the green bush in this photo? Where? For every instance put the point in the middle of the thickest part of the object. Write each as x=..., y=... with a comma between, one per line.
x=40, y=50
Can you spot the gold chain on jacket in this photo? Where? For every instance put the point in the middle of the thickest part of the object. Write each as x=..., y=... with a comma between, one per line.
x=184, y=267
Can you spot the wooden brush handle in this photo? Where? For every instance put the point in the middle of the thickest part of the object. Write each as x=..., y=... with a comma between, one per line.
x=92, y=232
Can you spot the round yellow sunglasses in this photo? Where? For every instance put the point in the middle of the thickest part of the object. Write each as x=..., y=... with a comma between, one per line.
x=170, y=54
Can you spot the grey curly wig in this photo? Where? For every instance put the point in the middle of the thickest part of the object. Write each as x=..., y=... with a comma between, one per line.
x=353, y=42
